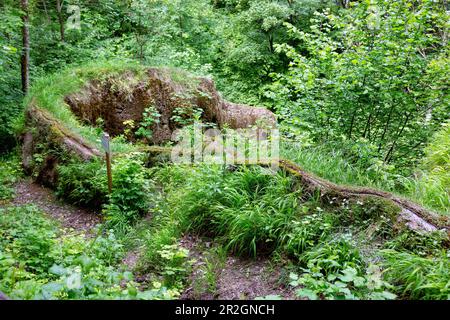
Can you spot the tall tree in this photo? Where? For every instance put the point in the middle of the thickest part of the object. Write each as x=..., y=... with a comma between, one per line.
x=59, y=4
x=25, y=58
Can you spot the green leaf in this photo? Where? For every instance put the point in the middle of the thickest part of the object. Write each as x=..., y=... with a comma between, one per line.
x=307, y=293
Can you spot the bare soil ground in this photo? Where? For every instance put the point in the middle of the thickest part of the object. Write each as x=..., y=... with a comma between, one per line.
x=81, y=219
x=236, y=279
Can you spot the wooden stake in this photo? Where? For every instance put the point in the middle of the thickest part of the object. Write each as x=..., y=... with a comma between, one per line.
x=108, y=171
x=106, y=147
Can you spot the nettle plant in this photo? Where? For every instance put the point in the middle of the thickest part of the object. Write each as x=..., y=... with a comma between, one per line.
x=184, y=116
x=176, y=265
x=150, y=118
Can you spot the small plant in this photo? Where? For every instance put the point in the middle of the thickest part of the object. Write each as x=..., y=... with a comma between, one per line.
x=174, y=265
x=184, y=116
x=150, y=117
x=129, y=126
x=130, y=196
x=99, y=125
x=205, y=280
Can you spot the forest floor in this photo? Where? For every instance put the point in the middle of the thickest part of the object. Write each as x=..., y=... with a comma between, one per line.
x=80, y=219
x=234, y=277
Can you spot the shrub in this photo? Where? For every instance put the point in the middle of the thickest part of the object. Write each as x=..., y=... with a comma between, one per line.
x=130, y=197
x=83, y=183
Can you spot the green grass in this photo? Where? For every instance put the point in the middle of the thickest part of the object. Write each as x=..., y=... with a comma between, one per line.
x=419, y=277
x=433, y=186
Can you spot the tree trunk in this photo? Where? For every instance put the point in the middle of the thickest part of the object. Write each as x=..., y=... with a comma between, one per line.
x=60, y=19
x=25, y=58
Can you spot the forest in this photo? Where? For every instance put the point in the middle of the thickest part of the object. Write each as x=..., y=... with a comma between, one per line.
x=336, y=112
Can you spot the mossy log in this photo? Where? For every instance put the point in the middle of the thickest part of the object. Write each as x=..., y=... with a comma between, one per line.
x=415, y=216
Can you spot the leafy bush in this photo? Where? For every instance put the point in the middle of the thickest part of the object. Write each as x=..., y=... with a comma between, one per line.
x=333, y=256
x=85, y=183
x=130, y=195
x=150, y=117
x=420, y=243
x=334, y=88
x=334, y=269
x=174, y=264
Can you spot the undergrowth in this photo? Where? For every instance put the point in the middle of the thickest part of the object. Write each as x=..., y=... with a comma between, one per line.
x=38, y=260
x=251, y=213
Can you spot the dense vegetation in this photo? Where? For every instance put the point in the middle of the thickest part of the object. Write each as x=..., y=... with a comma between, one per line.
x=361, y=92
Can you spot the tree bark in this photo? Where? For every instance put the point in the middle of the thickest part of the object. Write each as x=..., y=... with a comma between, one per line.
x=25, y=57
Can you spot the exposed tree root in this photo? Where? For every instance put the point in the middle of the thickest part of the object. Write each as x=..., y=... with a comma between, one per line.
x=416, y=216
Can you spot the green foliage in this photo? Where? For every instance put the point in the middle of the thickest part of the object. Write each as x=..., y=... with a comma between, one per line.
x=37, y=261
x=335, y=270
x=10, y=171
x=10, y=94
x=420, y=243
x=130, y=195
x=28, y=236
x=434, y=184
x=150, y=117
x=333, y=256
x=175, y=266
x=347, y=284
x=83, y=183
x=186, y=116
x=359, y=91
x=364, y=73
x=419, y=277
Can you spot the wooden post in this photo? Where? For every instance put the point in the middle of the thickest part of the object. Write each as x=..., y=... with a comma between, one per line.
x=106, y=147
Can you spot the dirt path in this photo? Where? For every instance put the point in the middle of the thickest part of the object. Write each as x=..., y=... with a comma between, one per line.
x=235, y=278
x=79, y=219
